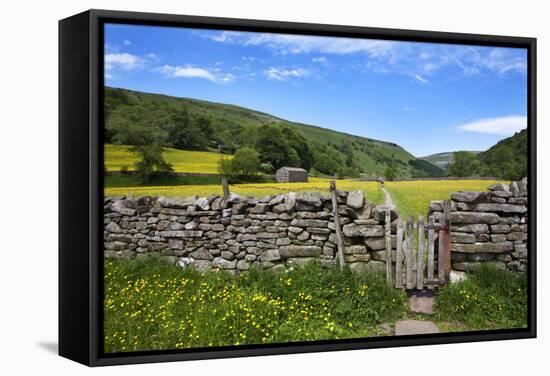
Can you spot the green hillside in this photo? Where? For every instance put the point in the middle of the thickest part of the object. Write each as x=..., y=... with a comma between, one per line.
x=507, y=159
x=442, y=160
x=191, y=124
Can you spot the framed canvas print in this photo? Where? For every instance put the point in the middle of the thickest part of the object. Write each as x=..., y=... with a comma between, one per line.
x=239, y=187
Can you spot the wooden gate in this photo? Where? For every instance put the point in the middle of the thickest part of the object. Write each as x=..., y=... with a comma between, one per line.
x=419, y=249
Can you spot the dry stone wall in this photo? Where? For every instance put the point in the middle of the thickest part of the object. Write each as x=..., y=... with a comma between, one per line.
x=237, y=233
x=489, y=227
x=277, y=232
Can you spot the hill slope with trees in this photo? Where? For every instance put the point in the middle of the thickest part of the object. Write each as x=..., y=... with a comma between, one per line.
x=150, y=122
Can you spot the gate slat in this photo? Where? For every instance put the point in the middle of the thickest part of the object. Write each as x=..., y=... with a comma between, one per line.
x=420, y=262
x=399, y=254
x=388, y=249
x=441, y=239
x=431, y=249
x=409, y=254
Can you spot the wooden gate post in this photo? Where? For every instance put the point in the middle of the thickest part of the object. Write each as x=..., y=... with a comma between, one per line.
x=447, y=216
x=225, y=187
x=399, y=254
x=431, y=250
x=339, y=241
x=409, y=255
x=388, y=248
x=444, y=244
x=420, y=262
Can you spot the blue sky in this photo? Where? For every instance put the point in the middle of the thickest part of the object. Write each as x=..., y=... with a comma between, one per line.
x=425, y=97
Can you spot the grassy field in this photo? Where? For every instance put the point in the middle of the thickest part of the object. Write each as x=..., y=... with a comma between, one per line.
x=410, y=197
x=371, y=189
x=150, y=305
x=118, y=157
x=413, y=197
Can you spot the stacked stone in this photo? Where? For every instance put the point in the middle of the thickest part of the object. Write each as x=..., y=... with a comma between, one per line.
x=237, y=233
x=364, y=240
x=489, y=227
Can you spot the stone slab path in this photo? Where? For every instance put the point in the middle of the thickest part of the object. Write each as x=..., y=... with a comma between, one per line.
x=387, y=197
x=411, y=327
x=422, y=304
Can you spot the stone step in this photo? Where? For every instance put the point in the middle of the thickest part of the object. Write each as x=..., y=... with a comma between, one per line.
x=411, y=327
x=422, y=302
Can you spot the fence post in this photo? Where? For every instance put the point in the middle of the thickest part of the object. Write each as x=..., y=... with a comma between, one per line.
x=388, y=248
x=339, y=241
x=399, y=254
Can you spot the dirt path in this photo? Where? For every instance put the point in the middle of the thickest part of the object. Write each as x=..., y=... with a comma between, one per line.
x=387, y=197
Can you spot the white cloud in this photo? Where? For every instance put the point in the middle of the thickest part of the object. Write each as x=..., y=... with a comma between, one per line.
x=503, y=126
x=127, y=42
x=282, y=74
x=408, y=108
x=224, y=36
x=189, y=71
x=298, y=44
x=228, y=77
x=422, y=61
x=425, y=55
x=421, y=80
x=123, y=61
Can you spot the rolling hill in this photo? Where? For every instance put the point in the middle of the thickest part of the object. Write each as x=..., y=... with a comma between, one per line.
x=442, y=160
x=231, y=129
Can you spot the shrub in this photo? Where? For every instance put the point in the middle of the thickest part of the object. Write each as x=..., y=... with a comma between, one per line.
x=152, y=162
x=246, y=161
x=124, y=170
x=390, y=173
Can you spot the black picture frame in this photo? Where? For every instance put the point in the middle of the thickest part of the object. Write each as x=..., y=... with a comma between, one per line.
x=81, y=184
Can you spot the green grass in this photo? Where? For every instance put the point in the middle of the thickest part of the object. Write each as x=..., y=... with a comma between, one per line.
x=150, y=305
x=413, y=197
x=130, y=180
x=489, y=299
x=119, y=157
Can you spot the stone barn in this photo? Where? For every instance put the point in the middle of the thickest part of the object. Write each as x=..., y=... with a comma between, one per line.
x=291, y=175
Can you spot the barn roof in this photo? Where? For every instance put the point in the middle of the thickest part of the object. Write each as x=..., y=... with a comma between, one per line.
x=293, y=169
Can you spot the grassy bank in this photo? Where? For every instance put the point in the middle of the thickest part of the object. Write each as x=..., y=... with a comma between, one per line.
x=150, y=305
x=489, y=299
